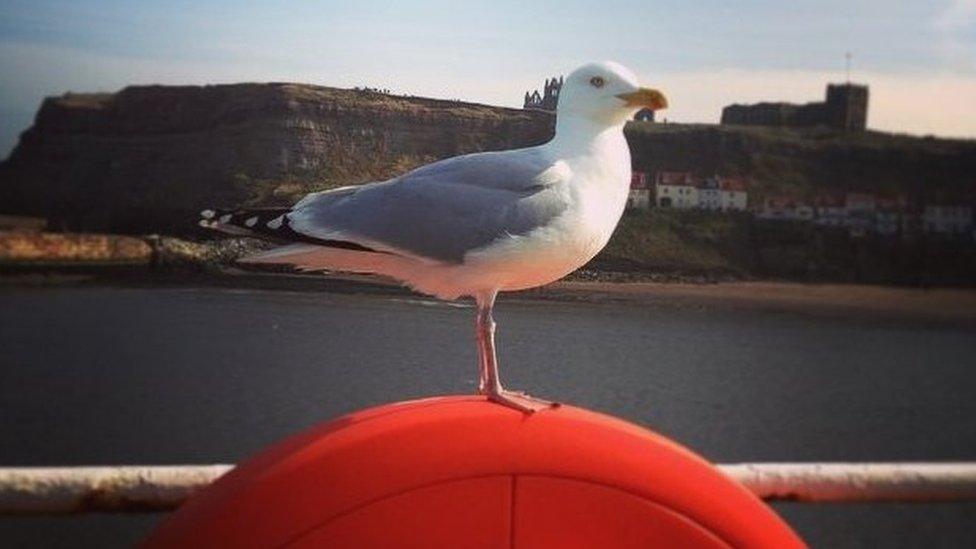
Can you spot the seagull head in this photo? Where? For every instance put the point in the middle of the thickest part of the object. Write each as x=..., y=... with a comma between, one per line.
x=606, y=92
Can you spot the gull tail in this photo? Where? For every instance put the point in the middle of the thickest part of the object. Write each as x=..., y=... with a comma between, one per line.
x=302, y=251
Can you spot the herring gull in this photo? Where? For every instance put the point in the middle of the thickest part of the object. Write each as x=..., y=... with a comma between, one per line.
x=478, y=224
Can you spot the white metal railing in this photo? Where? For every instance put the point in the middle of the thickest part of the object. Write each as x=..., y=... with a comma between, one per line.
x=851, y=482
x=133, y=488
x=67, y=490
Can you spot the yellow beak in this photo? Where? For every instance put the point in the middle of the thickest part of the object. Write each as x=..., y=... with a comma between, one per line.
x=645, y=97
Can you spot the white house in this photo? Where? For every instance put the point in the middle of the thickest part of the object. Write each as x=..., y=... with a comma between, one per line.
x=734, y=194
x=947, y=220
x=890, y=215
x=675, y=190
x=710, y=194
x=723, y=194
x=640, y=192
x=886, y=222
x=829, y=211
x=859, y=213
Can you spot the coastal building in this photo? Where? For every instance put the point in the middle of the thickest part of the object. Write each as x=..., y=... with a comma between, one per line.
x=785, y=208
x=640, y=192
x=734, y=194
x=548, y=99
x=863, y=214
x=684, y=191
x=829, y=211
x=676, y=190
x=947, y=220
x=710, y=194
x=859, y=215
x=845, y=107
x=723, y=194
x=889, y=215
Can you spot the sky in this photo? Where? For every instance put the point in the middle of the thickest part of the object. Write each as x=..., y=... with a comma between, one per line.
x=918, y=57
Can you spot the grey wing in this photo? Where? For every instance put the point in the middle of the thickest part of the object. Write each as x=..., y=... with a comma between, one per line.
x=443, y=210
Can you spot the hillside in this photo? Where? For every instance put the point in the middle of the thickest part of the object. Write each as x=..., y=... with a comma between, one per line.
x=707, y=246
x=147, y=157
x=808, y=161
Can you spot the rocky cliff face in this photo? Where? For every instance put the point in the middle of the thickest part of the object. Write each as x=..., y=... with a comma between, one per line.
x=147, y=158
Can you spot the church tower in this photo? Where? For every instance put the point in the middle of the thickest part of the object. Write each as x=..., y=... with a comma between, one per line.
x=847, y=106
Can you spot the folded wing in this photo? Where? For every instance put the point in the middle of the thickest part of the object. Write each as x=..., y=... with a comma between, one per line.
x=443, y=210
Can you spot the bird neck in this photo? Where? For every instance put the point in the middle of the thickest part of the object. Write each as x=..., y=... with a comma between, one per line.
x=584, y=136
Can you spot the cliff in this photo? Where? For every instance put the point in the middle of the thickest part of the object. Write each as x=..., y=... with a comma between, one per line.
x=148, y=158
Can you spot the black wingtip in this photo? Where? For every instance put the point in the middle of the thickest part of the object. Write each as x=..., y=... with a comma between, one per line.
x=270, y=224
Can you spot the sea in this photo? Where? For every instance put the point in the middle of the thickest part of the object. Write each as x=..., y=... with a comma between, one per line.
x=103, y=374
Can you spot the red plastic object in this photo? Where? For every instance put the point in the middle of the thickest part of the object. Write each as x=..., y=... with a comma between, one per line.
x=459, y=472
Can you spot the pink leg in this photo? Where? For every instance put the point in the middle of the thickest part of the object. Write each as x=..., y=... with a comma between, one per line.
x=489, y=383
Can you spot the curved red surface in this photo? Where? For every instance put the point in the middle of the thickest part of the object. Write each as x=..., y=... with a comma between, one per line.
x=462, y=472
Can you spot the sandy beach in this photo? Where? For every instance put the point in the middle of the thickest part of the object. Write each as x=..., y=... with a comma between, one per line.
x=929, y=304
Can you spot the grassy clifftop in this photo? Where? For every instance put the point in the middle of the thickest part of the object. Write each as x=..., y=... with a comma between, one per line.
x=684, y=244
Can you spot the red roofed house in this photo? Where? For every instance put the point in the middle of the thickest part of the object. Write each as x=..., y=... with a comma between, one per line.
x=640, y=192
x=675, y=190
x=734, y=193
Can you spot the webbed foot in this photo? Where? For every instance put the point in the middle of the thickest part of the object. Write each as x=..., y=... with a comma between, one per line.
x=520, y=401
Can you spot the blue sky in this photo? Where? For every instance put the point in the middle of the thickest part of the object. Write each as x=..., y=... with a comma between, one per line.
x=918, y=57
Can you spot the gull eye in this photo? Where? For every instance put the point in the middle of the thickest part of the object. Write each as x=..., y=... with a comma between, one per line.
x=597, y=81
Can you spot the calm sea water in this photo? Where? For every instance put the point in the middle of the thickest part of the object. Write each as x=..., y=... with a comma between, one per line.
x=155, y=376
